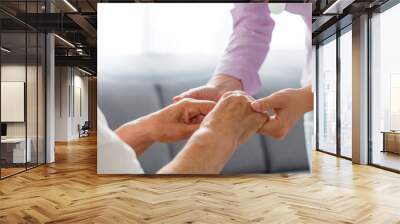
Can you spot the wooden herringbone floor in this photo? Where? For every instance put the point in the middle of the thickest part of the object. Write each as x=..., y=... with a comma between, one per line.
x=69, y=191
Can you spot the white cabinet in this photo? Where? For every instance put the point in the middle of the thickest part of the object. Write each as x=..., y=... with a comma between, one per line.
x=17, y=145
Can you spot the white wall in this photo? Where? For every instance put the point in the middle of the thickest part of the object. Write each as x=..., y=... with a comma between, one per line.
x=81, y=84
x=62, y=81
x=70, y=83
x=34, y=126
x=16, y=73
x=12, y=73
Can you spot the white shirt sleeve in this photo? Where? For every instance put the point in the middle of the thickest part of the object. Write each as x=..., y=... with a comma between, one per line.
x=113, y=155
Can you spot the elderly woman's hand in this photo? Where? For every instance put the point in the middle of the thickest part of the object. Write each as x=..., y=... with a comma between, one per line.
x=179, y=120
x=228, y=125
x=173, y=123
x=234, y=118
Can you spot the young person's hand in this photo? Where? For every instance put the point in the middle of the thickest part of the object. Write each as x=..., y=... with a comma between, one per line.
x=289, y=105
x=173, y=123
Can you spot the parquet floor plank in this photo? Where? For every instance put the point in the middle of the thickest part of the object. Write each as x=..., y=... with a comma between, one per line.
x=70, y=191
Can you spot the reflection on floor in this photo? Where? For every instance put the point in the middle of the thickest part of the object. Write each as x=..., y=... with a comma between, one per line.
x=70, y=191
x=386, y=159
x=11, y=169
x=346, y=152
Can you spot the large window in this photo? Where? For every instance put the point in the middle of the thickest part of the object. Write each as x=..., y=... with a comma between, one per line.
x=334, y=101
x=385, y=89
x=346, y=93
x=335, y=137
x=22, y=88
x=327, y=96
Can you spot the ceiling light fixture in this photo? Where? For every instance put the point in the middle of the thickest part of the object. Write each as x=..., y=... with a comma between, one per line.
x=65, y=41
x=337, y=7
x=79, y=51
x=5, y=50
x=70, y=5
x=84, y=71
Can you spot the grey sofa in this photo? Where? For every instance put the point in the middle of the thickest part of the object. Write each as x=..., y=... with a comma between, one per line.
x=125, y=98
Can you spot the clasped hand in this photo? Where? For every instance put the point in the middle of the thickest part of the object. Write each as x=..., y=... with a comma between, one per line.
x=288, y=105
x=232, y=116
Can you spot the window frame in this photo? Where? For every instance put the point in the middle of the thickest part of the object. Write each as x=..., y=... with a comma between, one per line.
x=371, y=13
x=27, y=29
x=334, y=37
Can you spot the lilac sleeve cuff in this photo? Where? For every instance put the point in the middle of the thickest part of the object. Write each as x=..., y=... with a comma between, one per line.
x=251, y=82
x=248, y=44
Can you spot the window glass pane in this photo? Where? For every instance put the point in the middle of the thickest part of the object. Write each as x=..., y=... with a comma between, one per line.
x=22, y=90
x=41, y=98
x=14, y=153
x=31, y=97
x=32, y=87
x=327, y=97
x=346, y=94
x=385, y=84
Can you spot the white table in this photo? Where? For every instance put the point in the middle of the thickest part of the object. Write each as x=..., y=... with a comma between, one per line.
x=19, y=155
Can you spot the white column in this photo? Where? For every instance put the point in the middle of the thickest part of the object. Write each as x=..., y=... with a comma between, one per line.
x=50, y=99
x=360, y=90
x=50, y=92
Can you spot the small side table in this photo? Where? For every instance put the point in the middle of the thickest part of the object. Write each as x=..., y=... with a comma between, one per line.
x=391, y=141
